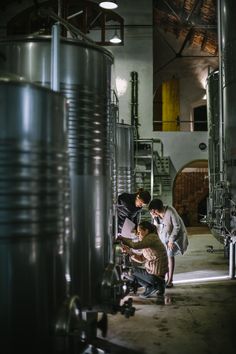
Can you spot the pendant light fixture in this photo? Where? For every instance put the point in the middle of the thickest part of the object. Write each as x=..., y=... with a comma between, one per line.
x=108, y=5
x=115, y=39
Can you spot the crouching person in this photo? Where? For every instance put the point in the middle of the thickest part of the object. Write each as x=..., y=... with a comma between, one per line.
x=153, y=256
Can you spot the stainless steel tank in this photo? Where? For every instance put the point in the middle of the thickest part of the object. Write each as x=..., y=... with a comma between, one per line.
x=213, y=115
x=227, y=49
x=34, y=204
x=85, y=71
x=228, y=81
x=125, y=158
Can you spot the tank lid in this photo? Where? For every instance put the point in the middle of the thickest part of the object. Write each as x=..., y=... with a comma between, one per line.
x=38, y=38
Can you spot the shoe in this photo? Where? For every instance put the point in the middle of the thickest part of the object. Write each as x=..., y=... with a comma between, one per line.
x=134, y=286
x=147, y=288
x=169, y=285
x=148, y=292
x=161, y=288
x=160, y=300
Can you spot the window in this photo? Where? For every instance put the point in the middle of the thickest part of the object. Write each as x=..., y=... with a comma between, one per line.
x=200, y=118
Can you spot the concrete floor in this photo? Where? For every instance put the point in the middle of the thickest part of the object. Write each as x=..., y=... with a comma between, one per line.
x=196, y=316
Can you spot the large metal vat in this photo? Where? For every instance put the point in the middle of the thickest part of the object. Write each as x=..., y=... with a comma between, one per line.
x=227, y=45
x=228, y=86
x=213, y=115
x=125, y=158
x=222, y=158
x=85, y=71
x=34, y=211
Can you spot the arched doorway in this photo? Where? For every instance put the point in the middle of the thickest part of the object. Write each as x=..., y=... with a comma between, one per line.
x=190, y=191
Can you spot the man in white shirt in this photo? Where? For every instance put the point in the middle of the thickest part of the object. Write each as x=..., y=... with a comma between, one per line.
x=172, y=232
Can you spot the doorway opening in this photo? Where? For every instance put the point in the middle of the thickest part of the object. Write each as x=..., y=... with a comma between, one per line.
x=190, y=192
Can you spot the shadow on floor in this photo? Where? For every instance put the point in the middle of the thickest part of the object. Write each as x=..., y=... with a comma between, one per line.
x=100, y=346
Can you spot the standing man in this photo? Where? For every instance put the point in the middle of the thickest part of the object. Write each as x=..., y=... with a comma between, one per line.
x=172, y=232
x=130, y=206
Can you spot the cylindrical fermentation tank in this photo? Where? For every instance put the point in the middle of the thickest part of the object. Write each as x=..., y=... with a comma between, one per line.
x=227, y=44
x=213, y=115
x=227, y=25
x=85, y=71
x=125, y=158
x=34, y=211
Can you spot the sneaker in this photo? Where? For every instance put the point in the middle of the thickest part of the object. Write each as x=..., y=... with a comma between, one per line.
x=160, y=291
x=145, y=291
x=161, y=288
x=169, y=285
x=148, y=292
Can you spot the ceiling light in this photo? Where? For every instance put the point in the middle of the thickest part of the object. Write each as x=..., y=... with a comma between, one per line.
x=115, y=39
x=109, y=5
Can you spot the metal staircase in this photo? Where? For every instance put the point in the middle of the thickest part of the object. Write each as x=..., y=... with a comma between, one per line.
x=152, y=169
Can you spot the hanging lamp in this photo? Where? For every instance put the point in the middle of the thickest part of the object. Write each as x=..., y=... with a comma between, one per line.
x=108, y=5
x=115, y=39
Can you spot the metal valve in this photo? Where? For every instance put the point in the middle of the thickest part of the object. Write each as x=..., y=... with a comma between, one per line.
x=127, y=309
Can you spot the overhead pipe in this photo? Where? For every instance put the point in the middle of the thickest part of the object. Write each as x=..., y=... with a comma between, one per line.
x=55, y=57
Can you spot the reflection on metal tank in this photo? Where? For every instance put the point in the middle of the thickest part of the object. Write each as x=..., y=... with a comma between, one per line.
x=213, y=114
x=34, y=202
x=227, y=51
x=228, y=76
x=222, y=212
x=85, y=71
x=125, y=158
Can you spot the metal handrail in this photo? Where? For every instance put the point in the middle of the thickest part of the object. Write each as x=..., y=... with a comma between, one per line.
x=75, y=32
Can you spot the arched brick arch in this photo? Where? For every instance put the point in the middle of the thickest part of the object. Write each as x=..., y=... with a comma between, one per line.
x=190, y=188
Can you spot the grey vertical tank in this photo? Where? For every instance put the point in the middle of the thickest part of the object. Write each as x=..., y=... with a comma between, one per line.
x=227, y=43
x=213, y=115
x=34, y=203
x=227, y=46
x=125, y=158
x=227, y=23
x=85, y=71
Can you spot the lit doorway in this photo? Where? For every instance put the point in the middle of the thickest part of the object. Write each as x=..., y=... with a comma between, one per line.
x=190, y=192
x=205, y=257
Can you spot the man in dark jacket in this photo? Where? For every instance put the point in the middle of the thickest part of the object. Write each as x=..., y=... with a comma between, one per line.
x=130, y=207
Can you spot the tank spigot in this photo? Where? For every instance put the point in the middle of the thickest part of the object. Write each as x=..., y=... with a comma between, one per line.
x=127, y=309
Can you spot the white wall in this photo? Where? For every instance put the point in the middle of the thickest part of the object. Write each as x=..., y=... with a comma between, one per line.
x=183, y=147
x=137, y=55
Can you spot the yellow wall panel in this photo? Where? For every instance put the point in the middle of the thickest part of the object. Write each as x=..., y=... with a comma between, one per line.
x=170, y=105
